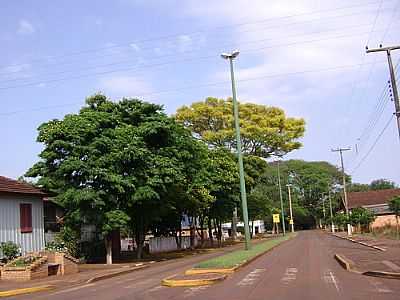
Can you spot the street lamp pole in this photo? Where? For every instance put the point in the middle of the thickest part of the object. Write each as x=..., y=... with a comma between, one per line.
x=290, y=208
x=231, y=57
x=281, y=198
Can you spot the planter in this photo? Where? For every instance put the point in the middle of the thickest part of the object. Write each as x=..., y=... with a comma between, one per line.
x=37, y=269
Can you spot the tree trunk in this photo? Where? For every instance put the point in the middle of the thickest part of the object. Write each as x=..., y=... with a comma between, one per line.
x=397, y=227
x=210, y=236
x=108, y=245
x=219, y=230
x=139, y=244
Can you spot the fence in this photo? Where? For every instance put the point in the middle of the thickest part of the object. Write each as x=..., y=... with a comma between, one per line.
x=165, y=244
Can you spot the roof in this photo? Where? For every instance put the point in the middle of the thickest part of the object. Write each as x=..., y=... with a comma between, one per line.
x=8, y=185
x=358, y=199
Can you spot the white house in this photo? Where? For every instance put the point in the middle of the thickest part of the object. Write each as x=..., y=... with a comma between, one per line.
x=21, y=215
x=256, y=226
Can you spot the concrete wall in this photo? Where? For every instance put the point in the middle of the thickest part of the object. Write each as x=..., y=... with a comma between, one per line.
x=382, y=221
x=10, y=222
x=166, y=244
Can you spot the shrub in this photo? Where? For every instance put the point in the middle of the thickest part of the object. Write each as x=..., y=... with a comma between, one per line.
x=10, y=250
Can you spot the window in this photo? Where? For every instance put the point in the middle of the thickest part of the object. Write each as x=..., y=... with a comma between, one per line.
x=25, y=210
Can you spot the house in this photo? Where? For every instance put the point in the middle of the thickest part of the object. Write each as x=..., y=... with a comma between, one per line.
x=377, y=202
x=21, y=215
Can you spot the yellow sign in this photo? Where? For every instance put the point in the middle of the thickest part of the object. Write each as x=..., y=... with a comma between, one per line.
x=275, y=218
x=291, y=221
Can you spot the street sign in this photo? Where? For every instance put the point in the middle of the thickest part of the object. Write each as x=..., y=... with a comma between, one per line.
x=275, y=218
x=291, y=221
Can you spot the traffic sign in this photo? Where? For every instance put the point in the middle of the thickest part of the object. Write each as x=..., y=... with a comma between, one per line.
x=275, y=218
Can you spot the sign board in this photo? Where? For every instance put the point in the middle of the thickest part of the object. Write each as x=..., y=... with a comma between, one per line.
x=291, y=222
x=275, y=218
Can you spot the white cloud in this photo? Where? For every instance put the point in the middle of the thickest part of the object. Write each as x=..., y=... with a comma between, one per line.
x=135, y=47
x=25, y=27
x=125, y=86
x=184, y=43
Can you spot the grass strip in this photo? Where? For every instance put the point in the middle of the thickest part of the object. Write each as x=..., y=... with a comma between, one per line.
x=236, y=258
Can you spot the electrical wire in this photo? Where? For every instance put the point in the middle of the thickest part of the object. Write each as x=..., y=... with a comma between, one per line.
x=171, y=62
x=373, y=146
x=169, y=36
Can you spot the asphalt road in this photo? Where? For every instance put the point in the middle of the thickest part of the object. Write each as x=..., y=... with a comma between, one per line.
x=302, y=268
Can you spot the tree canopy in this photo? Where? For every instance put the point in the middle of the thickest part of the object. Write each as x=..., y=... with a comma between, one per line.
x=114, y=164
x=265, y=131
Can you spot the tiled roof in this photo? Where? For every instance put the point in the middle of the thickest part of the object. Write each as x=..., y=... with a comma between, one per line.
x=358, y=199
x=9, y=185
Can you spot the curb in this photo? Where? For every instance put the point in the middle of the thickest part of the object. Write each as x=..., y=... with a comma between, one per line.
x=24, y=291
x=360, y=243
x=344, y=262
x=191, y=282
x=194, y=271
x=382, y=274
x=114, y=274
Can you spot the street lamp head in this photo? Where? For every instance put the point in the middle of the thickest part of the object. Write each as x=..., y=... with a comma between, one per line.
x=232, y=55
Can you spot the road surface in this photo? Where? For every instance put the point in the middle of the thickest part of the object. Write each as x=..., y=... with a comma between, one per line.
x=302, y=268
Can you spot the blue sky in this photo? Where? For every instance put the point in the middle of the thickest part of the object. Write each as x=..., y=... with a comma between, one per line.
x=307, y=57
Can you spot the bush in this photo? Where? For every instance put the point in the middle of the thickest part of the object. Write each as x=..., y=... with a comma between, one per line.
x=10, y=250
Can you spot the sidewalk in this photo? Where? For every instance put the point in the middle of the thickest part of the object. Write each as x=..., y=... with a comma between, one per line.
x=87, y=272
x=367, y=259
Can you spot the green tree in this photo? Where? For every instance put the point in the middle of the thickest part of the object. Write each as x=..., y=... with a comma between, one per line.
x=394, y=205
x=111, y=164
x=361, y=217
x=265, y=131
x=311, y=182
x=381, y=184
x=358, y=187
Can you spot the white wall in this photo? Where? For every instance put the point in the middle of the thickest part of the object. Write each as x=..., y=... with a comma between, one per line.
x=10, y=222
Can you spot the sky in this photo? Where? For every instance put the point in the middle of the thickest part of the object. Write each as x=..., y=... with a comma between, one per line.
x=305, y=56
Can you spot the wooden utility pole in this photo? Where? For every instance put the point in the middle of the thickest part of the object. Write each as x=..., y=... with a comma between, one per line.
x=392, y=79
x=345, y=202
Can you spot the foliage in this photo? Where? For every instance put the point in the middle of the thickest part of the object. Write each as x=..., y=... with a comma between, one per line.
x=265, y=131
x=113, y=165
x=10, y=250
x=361, y=216
x=340, y=219
x=382, y=184
x=394, y=205
x=24, y=261
x=378, y=184
x=311, y=182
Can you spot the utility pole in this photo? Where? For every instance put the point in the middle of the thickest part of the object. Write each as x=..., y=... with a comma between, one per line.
x=392, y=79
x=323, y=210
x=291, y=222
x=231, y=57
x=345, y=202
x=281, y=198
x=330, y=208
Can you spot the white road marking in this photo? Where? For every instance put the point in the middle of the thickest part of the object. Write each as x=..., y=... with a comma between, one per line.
x=290, y=275
x=194, y=290
x=136, y=284
x=391, y=265
x=330, y=278
x=73, y=289
x=380, y=287
x=251, y=277
x=156, y=288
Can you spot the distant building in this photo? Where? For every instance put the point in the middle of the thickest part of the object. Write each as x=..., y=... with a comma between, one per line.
x=21, y=215
x=377, y=202
x=256, y=227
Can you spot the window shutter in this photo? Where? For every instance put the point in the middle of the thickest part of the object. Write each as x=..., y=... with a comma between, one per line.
x=25, y=217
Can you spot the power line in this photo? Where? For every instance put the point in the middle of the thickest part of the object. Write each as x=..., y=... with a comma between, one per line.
x=373, y=145
x=390, y=21
x=166, y=63
x=191, y=33
x=210, y=84
x=174, y=55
